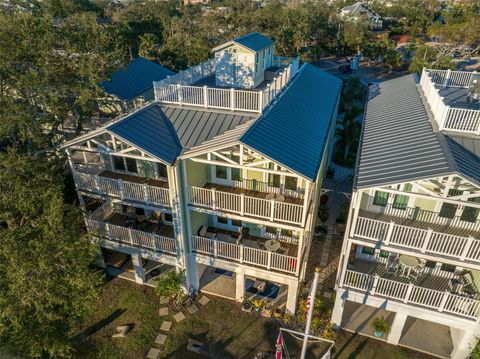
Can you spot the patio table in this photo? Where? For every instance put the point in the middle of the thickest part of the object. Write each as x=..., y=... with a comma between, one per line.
x=272, y=245
x=408, y=263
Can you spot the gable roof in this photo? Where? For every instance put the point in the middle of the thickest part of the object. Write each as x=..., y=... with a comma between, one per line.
x=294, y=130
x=253, y=41
x=135, y=79
x=151, y=131
x=398, y=143
x=358, y=9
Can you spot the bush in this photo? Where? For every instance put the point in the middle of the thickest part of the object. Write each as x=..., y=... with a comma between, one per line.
x=169, y=285
x=381, y=325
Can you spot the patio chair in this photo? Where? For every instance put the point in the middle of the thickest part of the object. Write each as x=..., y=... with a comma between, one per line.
x=203, y=232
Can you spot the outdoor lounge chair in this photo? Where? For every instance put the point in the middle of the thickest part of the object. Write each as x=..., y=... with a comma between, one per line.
x=203, y=232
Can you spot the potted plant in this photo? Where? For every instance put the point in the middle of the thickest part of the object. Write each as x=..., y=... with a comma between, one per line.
x=380, y=327
x=246, y=306
x=257, y=304
x=267, y=310
x=277, y=313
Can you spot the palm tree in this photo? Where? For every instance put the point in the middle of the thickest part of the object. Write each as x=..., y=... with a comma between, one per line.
x=348, y=130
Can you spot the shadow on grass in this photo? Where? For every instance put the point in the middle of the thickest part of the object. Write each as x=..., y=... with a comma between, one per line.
x=358, y=350
x=100, y=324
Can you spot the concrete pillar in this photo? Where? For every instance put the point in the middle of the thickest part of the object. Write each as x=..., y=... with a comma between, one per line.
x=239, y=286
x=292, y=294
x=138, y=268
x=464, y=346
x=338, y=308
x=397, y=328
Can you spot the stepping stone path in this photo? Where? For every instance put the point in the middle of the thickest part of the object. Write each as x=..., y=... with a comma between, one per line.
x=163, y=311
x=204, y=300
x=192, y=309
x=160, y=339
x=179, y=317
x=153, y=353
x=163, y=300
x=166, y=325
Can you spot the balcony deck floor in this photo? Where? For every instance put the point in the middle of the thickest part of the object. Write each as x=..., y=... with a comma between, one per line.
x=250, y=193
x=419, y=224
x=134, y=179
x=457, y=97
x=144, y=226
x=424, y=279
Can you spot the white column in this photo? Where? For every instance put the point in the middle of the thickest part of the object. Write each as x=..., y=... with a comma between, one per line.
x=397, y=328
x=239, y=286
x=338, y=308
x=137, y=268
x=292, y=296
x=464, y=346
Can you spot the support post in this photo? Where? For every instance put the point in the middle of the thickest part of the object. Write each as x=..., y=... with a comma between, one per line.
x=426, y=241
x=397, y=328
x=232, y=99
x=312, y=296
x=239, y=286
x=137, y=268
x=205, y=96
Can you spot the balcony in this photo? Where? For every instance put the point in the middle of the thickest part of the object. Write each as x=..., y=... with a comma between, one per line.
x=431, y=289
x=189, y=87
x=248, y=203
x=137, y=231
x=418, y=239
x=126, y=187
x=245, y=248
x=447, y=95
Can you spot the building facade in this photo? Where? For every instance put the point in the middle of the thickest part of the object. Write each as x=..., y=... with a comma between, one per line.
x=221, y=182
x=411, y=252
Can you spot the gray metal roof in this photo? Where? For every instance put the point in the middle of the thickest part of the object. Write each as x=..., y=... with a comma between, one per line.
x=195, y=126
x=398, y=143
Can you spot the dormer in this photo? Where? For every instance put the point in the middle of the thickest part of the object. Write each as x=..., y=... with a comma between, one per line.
x=241, y=62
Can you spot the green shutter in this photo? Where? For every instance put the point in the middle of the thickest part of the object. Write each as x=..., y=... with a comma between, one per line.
x=380, y=198
x=400, y=201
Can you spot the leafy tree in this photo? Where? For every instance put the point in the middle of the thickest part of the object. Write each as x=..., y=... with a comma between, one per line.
x=348, y=131
x=46, y=279
x=169, y=285
x=356, y=34
x=148, y=46
x=393, y=58
x=428, y=57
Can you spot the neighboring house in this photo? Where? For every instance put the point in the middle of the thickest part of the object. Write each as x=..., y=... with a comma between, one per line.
x=135, y=82
x=221, y=183
x=360, y=10
x=244, y=60
x=194, y=2
x=411, y=252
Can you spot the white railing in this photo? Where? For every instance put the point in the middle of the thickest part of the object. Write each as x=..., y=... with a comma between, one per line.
x=123, y=189
x=260, y=186
x=178, y=89
x=132, y=236
x=442, y=301
x=418, y=240
x=447, y=117
x=420, y=215
x=271, y=210
x=244, y=254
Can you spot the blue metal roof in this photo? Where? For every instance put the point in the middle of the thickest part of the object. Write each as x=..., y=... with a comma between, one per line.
x=150, y=130
x=295, y=130
x=254, y=41
x=138, y=77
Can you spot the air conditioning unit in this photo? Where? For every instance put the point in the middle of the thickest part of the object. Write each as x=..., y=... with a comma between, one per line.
x=474, y=89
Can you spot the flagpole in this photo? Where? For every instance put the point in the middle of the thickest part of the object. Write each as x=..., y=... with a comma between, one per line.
x=313, y=294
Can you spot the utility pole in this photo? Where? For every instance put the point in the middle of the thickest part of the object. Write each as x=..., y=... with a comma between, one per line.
x=312, y=296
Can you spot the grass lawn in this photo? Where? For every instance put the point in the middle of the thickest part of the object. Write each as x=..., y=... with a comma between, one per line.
x=229, y=332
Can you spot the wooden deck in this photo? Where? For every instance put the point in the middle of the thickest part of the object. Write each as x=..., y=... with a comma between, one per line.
x=289, y=249
x=424, y=280
x=250, y=193
x=134, y=179
x=448, y=229
x=144, y=226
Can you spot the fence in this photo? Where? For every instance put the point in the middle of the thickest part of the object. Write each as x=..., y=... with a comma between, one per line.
x=119, y=188
x=449, y=118
x=442, y=301
x=416, y=239
x=178, y=89
x=132, y=236
x=243, y=254
x=246, y=205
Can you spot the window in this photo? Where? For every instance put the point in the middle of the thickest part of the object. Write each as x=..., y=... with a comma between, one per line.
x=162, y=170
x=118, y=163
x=430, y=264
x=448, y=210
x=368, y=250
x=221, y=172
x=380, y=198
x=454, y=192
x=408, y=187
x=131, y=165
x=469, y=214
x=139, y=211
x=384, y=254
x=448, y=268
x=168, y=217
x=236, y=223
x=400, y=201
x=271, y=230
x=291, y=183
x=222, y=220
x=273, y=180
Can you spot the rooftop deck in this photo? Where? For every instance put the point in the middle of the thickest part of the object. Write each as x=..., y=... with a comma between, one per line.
x=456, y=97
